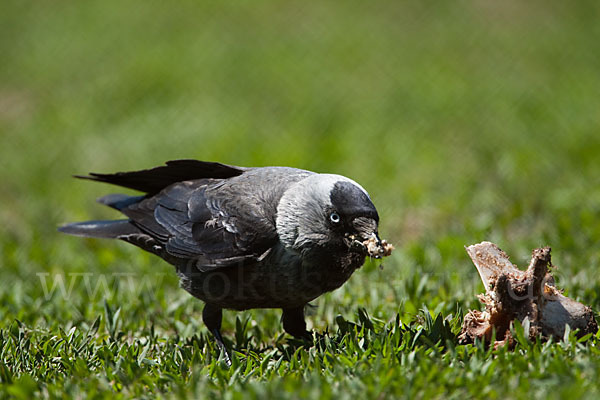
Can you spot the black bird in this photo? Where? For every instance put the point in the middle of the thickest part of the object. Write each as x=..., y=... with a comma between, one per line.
x=242, y=238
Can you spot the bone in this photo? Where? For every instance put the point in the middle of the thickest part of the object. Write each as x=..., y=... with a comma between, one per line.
x=514, y=294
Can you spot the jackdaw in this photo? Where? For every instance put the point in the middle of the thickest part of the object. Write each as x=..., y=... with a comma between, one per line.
x=243, y=238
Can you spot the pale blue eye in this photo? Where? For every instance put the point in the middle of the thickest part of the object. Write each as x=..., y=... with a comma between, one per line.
x=334, y=217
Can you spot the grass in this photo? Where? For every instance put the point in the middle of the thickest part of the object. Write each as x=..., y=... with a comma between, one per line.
x=469, y=121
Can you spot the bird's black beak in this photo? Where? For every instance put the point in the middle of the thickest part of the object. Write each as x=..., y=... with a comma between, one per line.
x=377, y=239
x=376, y=248
x=365, y=229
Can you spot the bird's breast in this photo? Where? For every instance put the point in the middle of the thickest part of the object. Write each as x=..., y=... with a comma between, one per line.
x=282, y=280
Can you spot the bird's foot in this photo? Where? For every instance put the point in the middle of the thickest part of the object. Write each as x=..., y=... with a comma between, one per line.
x=224, y=353
x=307, y=335
x=305, y=338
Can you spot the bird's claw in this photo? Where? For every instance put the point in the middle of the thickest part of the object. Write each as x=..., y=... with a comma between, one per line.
x=223, y=349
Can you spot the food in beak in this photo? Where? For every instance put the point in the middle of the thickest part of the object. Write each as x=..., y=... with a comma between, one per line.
x=378, y=248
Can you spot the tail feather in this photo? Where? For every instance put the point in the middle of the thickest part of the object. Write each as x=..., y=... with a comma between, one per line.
x=101, y=229
x=119, y=201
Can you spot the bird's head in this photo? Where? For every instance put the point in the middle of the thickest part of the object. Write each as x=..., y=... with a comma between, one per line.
x=326, y=210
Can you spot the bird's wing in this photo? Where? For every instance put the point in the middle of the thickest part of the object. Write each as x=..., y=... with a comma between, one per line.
x=209, y=221
x=153, y=180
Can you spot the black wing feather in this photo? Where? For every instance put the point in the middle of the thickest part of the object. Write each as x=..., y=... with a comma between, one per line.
x=153, y=180
x=193, y=224
x=142, y=215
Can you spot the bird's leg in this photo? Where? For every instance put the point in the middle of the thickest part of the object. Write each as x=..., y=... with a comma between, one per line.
x=212, y=316
x=294, y=324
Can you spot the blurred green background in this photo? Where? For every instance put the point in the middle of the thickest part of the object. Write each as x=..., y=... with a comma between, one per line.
x=466, y=121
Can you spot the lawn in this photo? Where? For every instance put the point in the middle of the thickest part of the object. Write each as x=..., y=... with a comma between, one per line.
x=466, y=121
